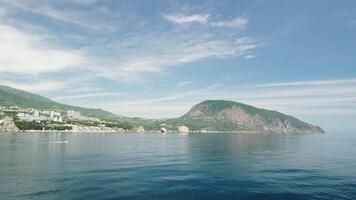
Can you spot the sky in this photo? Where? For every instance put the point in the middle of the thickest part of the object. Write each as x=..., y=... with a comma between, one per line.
x=157, y=58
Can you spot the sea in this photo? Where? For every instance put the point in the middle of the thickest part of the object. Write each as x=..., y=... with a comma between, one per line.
x=203, y=166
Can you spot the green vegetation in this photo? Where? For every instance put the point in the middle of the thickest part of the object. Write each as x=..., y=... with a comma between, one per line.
x=213, y=107
x=14, y=97
x=29, y=125
x=123, y=125
x=219, y=115
x=22, y=125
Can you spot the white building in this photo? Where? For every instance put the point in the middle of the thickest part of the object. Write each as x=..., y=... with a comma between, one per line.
x=140, y=129
x=55, y=116
x=33, y=112
x=183, y=129
x=73, y=114
x=30, y=118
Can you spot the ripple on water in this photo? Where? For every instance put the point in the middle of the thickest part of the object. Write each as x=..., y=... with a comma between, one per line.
x=214, y=166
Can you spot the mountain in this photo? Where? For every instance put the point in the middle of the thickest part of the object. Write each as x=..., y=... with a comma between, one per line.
x=211, y=115
x=220, y=115
x=13, y=97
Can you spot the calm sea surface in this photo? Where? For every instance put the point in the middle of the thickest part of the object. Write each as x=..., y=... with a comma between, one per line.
x=173, y=166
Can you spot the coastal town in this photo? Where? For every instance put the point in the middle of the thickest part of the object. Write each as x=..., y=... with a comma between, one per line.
x=16, y=119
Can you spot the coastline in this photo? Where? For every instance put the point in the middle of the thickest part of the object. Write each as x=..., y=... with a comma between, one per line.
x=157, y=131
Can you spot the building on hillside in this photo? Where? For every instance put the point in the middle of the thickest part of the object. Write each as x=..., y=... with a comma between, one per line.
x=24, y=116
x=73, y=114
x=45, y=112
x=33, y=112
x=55, y=116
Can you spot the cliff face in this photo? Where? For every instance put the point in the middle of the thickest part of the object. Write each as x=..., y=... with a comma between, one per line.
x=8, y=125
x=232, y=116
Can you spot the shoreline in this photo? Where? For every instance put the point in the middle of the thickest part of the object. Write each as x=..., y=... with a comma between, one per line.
x=158, y=132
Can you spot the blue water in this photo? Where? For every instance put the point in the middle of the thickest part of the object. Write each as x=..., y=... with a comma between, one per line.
x=173, y=166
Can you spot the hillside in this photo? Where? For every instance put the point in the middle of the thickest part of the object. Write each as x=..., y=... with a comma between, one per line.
x=220, y=115
x=211, y=115
x=14, y=97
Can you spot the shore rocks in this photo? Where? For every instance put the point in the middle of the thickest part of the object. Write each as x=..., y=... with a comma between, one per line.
x=8, y=125
x=183, y=129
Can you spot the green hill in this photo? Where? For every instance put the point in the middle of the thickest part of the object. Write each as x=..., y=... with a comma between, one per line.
x=221, y=115
x=13, y=97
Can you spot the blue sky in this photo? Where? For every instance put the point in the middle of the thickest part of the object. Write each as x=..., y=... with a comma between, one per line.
x=158, y=58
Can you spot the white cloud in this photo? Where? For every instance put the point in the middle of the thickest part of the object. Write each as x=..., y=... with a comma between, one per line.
x=304, y=101
x=164, y=106
x=90, y=95
x=21, y=52
x=148, y=53
x=250, y=56
x=333, y=97
x=50, y=85
x=240, y=23
x=183, y=19
x=300, y=97
x=84, y=89
x=177, y=51
x=310, y=83
x=150, y=110
x=36, y=87
x=86, y=18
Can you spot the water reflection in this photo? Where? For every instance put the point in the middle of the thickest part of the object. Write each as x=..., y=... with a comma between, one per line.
x=174, y=166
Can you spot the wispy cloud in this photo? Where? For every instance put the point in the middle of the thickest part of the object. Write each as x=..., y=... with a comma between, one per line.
x=184, y=19
x=239, y=22
x=176, y=96
x=21, y=52
x=176, y=51
x=332, y=97
x=129, y=57
x=164, y=106
x=308, y=83
x=90, y=95
x=250, y=56
x=84, y=19
x=36, y=87
x=48, y=85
